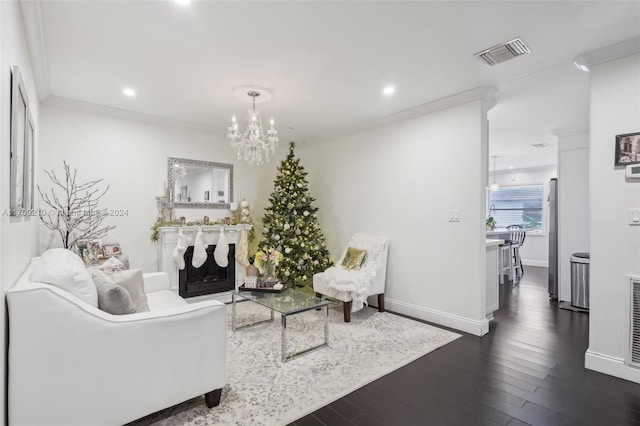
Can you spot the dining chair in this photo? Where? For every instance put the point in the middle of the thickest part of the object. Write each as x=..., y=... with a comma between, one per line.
x=518, y=236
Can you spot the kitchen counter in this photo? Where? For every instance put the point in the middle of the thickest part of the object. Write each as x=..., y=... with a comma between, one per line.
x=503, y=231
x=492, y=278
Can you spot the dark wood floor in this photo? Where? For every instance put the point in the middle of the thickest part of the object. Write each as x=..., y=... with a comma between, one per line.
x=527, y=370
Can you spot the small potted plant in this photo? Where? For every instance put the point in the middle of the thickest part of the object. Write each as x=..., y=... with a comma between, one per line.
x=491, y=223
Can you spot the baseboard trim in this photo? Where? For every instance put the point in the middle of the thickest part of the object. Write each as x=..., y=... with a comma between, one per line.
x=468, y=325
x=539, y=263
x=610, y=365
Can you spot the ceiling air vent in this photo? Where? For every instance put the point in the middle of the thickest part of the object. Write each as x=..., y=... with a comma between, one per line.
x=503, y=52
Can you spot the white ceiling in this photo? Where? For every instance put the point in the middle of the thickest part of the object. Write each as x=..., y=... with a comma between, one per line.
x=327, y=61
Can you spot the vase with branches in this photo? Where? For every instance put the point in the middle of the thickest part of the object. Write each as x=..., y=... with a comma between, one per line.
x=74, y=208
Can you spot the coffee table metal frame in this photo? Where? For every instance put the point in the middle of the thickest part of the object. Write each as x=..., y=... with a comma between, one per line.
x=277, y=302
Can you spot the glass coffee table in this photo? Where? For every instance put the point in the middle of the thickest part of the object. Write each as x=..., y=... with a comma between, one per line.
x=287, y=303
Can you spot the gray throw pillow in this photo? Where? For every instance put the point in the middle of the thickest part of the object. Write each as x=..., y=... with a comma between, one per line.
x=131, y=280
x=114, y=298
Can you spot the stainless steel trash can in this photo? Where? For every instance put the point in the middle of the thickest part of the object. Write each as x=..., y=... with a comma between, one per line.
x=580, y=280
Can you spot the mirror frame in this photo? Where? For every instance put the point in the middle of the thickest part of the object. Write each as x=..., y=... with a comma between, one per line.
x=171, y=161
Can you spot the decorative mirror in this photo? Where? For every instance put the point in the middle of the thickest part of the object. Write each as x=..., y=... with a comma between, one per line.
x=199, y=184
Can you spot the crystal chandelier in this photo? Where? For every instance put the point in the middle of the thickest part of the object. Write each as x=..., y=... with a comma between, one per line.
x=253, y=145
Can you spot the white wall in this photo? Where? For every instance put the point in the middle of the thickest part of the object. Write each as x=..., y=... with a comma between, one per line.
x=17, y=235
x=401, y=180
x=615, y=245
x=131, y=156
x=573, y=205
x=535, y=251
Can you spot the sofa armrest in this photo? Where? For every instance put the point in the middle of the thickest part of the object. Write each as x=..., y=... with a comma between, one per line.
x=78, y=357
x=156, y=281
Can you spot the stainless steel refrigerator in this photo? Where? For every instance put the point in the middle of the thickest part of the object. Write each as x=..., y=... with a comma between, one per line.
x=553, y=238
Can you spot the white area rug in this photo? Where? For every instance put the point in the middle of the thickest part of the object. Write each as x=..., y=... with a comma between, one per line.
x=261, y=390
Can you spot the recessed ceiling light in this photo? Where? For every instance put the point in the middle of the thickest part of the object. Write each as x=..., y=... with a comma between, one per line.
x=127, y=91
x=183, y=2
x=389, y=90
x=581, y=64
x=510, y=167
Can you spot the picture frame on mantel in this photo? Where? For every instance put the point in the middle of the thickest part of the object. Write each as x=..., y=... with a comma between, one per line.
x=19, y=134
x=627, y=149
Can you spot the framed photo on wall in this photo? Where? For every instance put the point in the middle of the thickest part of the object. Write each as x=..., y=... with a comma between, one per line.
x=627, y=149
x=19, y=123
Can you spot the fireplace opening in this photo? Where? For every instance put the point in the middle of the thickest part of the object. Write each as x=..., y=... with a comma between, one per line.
x=208, y=278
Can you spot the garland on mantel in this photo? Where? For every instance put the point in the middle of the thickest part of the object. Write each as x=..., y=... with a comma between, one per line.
x=155, y=229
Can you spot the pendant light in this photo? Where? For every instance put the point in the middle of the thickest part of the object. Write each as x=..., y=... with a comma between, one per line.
x=494, y=186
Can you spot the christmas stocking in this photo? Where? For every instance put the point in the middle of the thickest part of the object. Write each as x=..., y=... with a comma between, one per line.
x=221, y=253
x=242, y=249
x=181, y=247
x=199, y=251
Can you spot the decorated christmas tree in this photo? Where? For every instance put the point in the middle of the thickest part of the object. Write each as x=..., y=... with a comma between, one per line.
x=291, y=225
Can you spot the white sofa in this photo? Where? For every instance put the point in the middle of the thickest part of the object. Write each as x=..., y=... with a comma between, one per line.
x=73, y=364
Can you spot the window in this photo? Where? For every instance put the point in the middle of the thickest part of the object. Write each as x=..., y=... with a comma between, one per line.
x=517, y=205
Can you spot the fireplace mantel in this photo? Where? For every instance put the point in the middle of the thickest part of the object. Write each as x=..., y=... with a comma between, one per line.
x=169, y=238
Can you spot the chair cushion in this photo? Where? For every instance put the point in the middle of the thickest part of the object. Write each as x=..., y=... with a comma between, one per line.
x=131, y=280
x=353, y=258
x=114, y=299
x=164, y=299
x=64, y=269
x=320, y=286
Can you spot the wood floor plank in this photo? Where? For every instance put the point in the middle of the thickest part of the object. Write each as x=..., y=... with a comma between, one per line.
x=329, y=416
x=346, y=409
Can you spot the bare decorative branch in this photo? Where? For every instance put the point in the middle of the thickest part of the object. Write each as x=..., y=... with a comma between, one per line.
x=75, y=214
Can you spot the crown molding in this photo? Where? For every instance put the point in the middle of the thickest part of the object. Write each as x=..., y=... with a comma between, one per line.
x=609, y=53
x=34, y=29
x=59, y=102
x=485, y=94
x=571, y=139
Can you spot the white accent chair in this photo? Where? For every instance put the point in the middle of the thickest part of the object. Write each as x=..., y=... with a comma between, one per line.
x=73, y=364
x=349, y=286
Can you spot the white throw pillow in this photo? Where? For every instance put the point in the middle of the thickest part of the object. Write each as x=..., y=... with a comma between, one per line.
x=112, y=264
x=64, y=269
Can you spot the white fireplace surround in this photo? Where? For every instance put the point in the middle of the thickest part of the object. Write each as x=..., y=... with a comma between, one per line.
x=169, y=238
